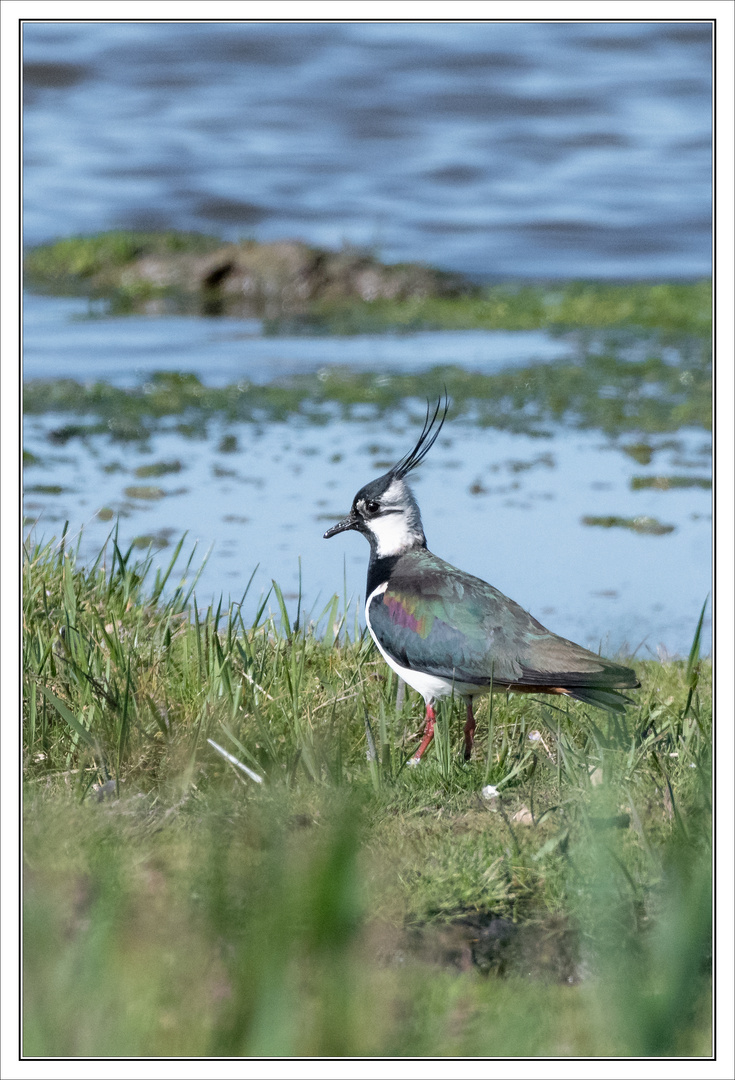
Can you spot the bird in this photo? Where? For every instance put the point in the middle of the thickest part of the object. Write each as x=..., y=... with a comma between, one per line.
x=448, y=633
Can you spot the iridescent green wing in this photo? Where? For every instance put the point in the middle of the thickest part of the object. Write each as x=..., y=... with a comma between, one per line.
x=435, y=618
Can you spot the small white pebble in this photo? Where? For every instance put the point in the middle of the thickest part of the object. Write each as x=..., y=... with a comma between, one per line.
x=489, y=792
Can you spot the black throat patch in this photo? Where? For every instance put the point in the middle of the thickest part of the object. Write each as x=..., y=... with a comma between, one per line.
x=379, y=571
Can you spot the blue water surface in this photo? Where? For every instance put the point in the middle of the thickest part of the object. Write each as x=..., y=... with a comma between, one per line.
x=532, y=149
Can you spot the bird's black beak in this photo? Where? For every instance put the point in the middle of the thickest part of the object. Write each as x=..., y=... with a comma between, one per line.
x=352, y=521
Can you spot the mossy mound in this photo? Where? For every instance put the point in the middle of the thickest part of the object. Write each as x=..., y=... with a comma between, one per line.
x=298, y=288
x=267, y=279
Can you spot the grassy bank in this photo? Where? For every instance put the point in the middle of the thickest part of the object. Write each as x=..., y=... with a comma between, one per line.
x=345, y=904
x=674, y=309
x=298, y=288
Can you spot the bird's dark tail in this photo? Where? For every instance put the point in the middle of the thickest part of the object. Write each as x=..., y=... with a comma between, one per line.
x=610, y=700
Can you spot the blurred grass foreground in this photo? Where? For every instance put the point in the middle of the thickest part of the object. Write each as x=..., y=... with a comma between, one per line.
x=310, y=895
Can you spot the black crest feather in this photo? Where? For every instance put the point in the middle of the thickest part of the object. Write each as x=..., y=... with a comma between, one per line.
x=425, y=441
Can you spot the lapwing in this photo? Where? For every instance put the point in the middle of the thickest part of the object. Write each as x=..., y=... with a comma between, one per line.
x=446, y=632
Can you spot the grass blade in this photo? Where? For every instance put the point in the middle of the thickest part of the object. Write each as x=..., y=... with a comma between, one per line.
x=234, y=761
x=66, y=714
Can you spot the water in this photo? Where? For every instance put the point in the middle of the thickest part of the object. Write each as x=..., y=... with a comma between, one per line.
x=62, y=341
x=507, y=507
x=497, y=149
x=508, y=150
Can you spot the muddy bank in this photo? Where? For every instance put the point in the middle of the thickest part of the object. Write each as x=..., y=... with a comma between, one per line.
x=297, y=288
x=494, y=945
x=261, y=279
x=547, y=949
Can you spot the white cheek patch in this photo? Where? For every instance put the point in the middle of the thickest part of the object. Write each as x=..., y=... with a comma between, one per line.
x=393, y=534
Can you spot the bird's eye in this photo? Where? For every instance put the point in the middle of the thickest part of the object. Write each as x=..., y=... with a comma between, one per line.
x=372, y=507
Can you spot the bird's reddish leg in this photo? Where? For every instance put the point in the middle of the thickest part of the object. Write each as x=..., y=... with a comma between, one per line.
x=428, y=735
x=469, y=731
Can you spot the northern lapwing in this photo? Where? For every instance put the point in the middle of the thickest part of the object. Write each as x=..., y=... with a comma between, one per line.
x=446, y=632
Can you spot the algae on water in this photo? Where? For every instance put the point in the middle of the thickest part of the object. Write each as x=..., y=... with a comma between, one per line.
x=643, y=524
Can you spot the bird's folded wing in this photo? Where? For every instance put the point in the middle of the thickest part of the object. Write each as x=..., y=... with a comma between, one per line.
x=419, y=633
x=459, y=627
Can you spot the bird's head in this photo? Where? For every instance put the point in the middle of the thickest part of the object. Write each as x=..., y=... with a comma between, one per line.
x=385, y=510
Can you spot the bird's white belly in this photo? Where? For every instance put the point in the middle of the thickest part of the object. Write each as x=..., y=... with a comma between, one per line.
x=430, y=687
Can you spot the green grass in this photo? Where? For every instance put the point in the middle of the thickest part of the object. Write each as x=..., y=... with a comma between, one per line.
x=175, y=907
x=76, y=259
x=673, y=308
